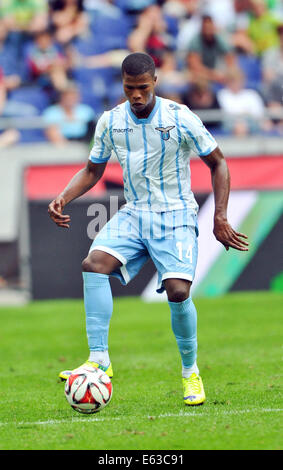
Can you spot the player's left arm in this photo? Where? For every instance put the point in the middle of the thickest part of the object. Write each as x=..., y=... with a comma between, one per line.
x=220, y=177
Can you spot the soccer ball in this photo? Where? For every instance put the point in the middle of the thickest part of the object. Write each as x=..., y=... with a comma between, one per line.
x=88, y=390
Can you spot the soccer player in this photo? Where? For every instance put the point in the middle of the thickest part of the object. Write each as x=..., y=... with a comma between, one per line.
x=152, y=138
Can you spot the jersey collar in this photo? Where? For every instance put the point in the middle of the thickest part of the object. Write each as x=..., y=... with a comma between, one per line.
x=144, y=120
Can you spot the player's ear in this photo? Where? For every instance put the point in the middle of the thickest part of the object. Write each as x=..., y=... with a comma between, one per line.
x=155, y=78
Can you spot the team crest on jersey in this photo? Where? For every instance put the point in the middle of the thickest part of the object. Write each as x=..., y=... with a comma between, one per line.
x=165, y=131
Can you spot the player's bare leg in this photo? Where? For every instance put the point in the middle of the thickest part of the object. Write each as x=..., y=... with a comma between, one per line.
x=100, y=262
x=184, y=326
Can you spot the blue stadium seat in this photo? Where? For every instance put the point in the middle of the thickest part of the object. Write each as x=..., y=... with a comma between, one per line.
x=87, y=45
x=92, y=87
x=251, y=66
x=119, y=27
x=32, y=135
x=115, y=93
x=94, y=101
x=96, y=86
x=32, y=95
x=172, y=25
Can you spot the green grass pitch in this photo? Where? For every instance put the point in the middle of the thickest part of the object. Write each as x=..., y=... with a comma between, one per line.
x=239, y=357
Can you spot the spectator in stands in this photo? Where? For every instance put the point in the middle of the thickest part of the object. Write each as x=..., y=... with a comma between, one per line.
x=133, y=7
x=107, y=59
x=210, y=56
x=7, y=136
x=231, y=18
x=239, y=36
x=171, y=81
x=189, y=23
x=69, y=119
x=272, y=60
x=46, y=64
x=244, y=107
x=201, y=96
x=9, y=62
x=107, y=8
x=272, y=67
x=262, y=29
x=68, y=19
x=181, y=9
x=27, y=16
x=222, y=12
x=151, y=35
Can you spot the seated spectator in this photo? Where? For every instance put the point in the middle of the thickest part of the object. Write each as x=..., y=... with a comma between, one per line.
x=28, y=16
x=230, y=17
x=189, y=22
x=68, y=19
x=46, y=64
x=9, y=62
x=172, y=81
x=222, y=12
x=263, y=25
x=180, y=9
x=99, y=9
x=274, y=105
x=69, y=119
x=133, y=7
x=7, y=136
x=272, y=68
x=209, y=56
x=97, y=61
x=151, y=35
x=201, y=96
x=244, y=107
x=272, y=60
x=239, y=36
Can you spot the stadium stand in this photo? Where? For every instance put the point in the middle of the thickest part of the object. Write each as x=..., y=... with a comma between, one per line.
x=90, y=38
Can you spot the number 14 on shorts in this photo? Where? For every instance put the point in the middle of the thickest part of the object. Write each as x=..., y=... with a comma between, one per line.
x=185, y=250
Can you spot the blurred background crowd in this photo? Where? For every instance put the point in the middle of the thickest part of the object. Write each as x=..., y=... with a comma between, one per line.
x=60, y=63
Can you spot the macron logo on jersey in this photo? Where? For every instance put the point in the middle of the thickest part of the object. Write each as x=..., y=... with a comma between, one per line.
x=123, y=131
x=165, y=131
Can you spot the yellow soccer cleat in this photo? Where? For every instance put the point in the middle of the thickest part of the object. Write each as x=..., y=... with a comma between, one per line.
x=193, y=390
x=108, y=370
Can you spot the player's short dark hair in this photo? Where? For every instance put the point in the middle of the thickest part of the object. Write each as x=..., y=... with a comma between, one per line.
x=138, y=63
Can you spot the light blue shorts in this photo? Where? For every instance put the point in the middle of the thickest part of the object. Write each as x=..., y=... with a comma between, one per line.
x=168, y=238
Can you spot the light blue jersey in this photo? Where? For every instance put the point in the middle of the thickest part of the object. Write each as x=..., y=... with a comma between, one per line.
x=159, y=219
x=154, y=153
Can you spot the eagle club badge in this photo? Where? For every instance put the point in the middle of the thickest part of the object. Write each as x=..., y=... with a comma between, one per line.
x=165, y=131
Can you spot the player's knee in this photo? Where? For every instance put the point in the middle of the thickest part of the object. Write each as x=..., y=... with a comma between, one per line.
x=177, y=290
x=178, y=295
x=90, y=265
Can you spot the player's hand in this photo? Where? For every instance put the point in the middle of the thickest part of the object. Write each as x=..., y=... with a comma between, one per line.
x=55, y=210
x=226, y=235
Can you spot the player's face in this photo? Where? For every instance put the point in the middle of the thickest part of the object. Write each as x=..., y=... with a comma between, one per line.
x=140, y=91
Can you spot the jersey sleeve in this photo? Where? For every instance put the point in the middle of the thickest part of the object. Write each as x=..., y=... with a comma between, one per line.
x=102, y=146
x=196, y=136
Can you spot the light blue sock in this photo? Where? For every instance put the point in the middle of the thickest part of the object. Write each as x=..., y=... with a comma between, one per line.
x=184, y=326
x=98, y=307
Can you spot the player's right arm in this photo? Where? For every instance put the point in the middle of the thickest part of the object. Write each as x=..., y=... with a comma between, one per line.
x=86, y=178
x=81, y=182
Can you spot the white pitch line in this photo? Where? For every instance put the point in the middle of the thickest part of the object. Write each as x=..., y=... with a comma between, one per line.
x=182, y=414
